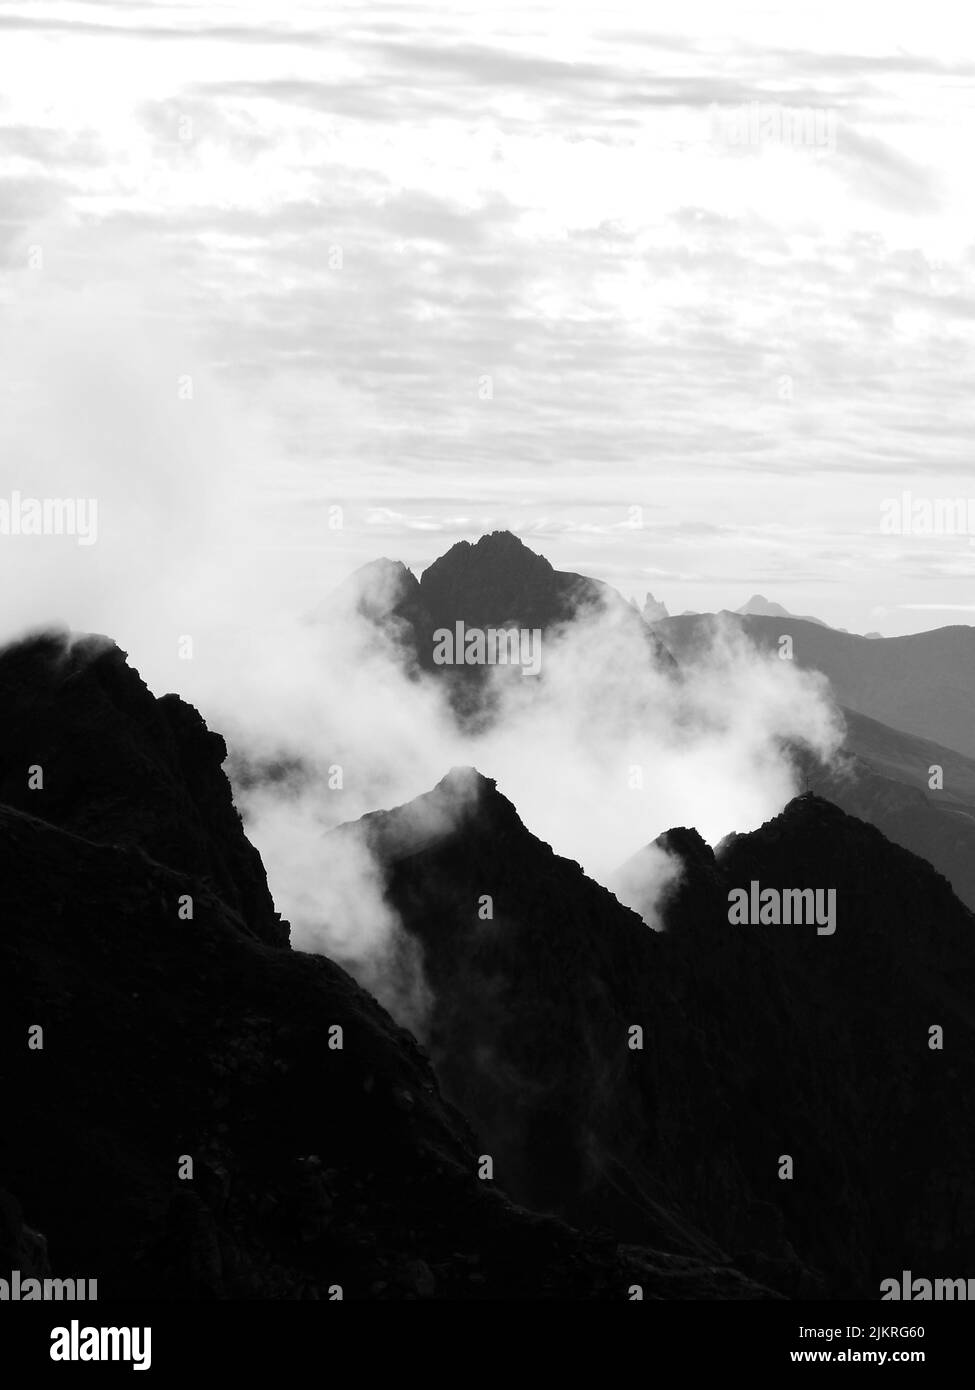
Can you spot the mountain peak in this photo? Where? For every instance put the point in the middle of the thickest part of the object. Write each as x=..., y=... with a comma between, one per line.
x=92, y=723
x=758, y=606
x=495, y=547
x=496, y=581
x=501, y=542
x=654, y=611
x=467, y=780
x=380, y=585
x=463, y=799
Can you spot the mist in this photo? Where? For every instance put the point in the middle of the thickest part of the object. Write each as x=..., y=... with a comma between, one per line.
x=193, y=576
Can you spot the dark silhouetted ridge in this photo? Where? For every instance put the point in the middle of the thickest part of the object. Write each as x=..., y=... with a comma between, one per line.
x=323, y=1152
x=121, y=767
x=758, y=1040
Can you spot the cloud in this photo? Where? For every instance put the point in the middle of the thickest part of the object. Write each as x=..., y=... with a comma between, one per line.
x=875, y=169
x=551, y=210
x=197, y=539
x=492, y=66
x=222, y=33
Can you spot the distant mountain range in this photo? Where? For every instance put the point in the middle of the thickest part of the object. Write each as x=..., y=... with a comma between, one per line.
x=755, y=606
x=758, y=606
x=916, y=686
x=906, y=713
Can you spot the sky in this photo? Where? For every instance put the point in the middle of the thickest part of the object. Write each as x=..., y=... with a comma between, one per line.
x=683, y=295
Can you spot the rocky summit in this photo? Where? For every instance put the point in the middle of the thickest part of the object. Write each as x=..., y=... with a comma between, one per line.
x=801, y=1102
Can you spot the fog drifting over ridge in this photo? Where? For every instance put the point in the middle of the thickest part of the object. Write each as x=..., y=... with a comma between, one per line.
x=194, y=544
x=599, y=756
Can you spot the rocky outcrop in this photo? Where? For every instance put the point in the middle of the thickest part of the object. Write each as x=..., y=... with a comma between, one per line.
x=85, y=746
x=758, y=1042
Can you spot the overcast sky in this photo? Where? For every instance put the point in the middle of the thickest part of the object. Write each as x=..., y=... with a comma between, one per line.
x=471, y=267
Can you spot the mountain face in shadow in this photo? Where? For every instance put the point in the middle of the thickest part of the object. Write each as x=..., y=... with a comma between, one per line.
x=759, y=1042
x=496, y=583
x=120, y=767
x=178, y=1026
x=499, y=582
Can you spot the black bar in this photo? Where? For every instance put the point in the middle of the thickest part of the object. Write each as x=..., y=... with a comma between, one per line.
x=448, y=1343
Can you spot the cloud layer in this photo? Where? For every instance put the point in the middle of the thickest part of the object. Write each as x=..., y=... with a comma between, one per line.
x=461, y=269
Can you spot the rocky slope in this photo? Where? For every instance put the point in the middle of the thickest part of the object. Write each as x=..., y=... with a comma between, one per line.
x=885, y=778
x=758, y=1041
x=119, y=766
x=167, y=1037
